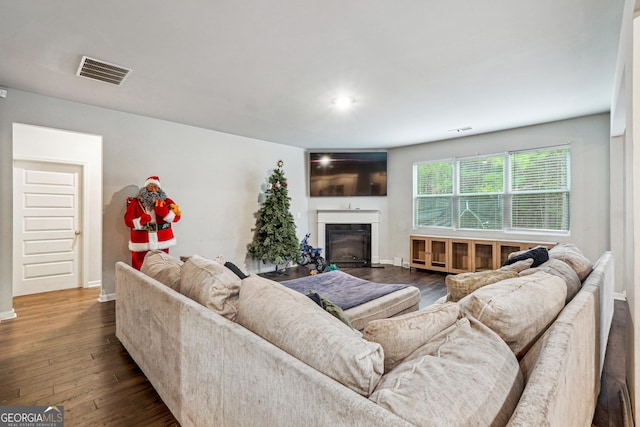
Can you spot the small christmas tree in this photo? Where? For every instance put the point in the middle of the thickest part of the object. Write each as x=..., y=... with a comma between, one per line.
x=275, y=240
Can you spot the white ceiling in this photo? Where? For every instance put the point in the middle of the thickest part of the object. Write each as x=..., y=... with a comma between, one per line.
x=269, y=69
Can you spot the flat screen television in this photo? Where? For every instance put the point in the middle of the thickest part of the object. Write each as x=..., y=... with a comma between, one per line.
x=342, y=174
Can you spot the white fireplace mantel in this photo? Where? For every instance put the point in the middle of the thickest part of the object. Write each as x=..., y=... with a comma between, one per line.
x=351, y=216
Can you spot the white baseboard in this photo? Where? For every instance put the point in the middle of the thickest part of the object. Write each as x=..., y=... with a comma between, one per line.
x=94, y=283
x=620, y=296
x=107, y=297
x=6, y=315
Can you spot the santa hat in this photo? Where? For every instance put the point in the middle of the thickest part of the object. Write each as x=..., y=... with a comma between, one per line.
x=152, y=180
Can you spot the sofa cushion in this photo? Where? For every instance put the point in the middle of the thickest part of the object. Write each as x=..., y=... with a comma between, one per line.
x=569, y=253
x=292, y=321
x=562, y=270
x=518, y=266
x=461, y=285
x=162, y=267
x=466, y=375
x=539, y=254
x=211, y=284
x=401, y=335
x=518, y=309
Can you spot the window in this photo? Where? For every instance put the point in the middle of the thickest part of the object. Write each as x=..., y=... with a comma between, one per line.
x=480, y=193
x=524, y=190
x=540, y=189
x=433, y=184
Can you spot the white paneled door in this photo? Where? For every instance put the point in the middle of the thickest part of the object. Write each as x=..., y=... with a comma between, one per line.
x=46, y=226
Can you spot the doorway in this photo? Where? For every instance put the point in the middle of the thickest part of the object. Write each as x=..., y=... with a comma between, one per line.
x=57, y=209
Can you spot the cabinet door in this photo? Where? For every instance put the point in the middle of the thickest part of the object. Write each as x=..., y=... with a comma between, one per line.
x=461, y=256
x=418, y=252
x=505, y=248
x=438, y=254
x=484, y=255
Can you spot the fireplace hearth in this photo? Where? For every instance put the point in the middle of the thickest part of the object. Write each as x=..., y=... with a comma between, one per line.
x=348, y=245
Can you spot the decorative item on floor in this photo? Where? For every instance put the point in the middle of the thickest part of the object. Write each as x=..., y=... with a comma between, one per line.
x=275, y=238
x=149, y=216
x=332, y=267
x=309, y=255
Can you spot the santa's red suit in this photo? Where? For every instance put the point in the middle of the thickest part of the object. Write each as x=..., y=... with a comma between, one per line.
x=150, y=229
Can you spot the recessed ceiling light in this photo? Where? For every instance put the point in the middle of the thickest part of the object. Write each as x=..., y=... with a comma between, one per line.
x=343, y=102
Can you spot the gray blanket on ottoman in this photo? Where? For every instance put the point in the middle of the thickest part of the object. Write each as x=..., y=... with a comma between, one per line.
x=342, y=289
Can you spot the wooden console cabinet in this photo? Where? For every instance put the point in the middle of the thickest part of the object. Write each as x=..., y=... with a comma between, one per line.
x=461, y=255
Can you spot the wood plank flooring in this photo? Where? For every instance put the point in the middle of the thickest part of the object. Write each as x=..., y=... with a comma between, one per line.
x=610, y=407
x=62, y=350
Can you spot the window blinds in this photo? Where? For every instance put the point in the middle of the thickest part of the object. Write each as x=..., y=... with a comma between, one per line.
x=524, y=190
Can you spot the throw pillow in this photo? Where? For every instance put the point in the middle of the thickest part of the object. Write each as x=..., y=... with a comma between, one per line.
x=518, y=309
x=211, y=284
x=562, y=270
x=330, y=307
x=162, y=267
x=400, y=336
x=464, y=376
x=539, y=254
x=570, y=254
x=461, y=285
x=290, y=320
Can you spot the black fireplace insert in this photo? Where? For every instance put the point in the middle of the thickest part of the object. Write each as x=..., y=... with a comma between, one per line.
x=348, y=245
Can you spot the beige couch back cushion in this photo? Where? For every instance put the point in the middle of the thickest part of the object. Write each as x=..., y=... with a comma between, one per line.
x=461, y=285
x=464, y=376
x=162, y=267
x=291, y=321
x=561, y=269
x=518, y=309
x=401, y=335
x=569, y=253
x=211, y=284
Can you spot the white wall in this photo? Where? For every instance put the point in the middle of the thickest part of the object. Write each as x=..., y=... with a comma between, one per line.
x=588, y=138
x=625, y=213
x=216, y=178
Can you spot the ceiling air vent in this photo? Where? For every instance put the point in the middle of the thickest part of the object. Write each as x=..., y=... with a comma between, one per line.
x=103, y=71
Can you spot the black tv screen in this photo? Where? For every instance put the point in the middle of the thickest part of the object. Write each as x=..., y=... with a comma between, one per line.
x=348, y=174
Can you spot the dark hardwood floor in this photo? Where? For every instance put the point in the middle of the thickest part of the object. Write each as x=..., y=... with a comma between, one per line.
x=62, y=350
x=611, y=410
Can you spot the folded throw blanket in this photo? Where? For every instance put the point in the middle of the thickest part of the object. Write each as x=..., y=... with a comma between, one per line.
x=342, y=289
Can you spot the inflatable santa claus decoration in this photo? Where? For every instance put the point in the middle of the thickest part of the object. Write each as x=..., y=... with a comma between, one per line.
x=149, y=216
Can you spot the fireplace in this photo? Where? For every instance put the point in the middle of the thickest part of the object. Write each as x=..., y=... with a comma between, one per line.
x=348, y=217
x=348, y=245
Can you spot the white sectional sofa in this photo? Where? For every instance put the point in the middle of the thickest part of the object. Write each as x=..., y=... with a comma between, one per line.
x=213, y=371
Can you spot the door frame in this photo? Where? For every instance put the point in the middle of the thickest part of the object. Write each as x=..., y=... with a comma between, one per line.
x=49, y=145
